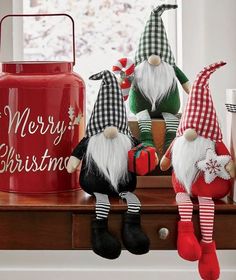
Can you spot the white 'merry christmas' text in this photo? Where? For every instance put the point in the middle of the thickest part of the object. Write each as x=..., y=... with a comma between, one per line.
x=12, y=162
x=21, y=122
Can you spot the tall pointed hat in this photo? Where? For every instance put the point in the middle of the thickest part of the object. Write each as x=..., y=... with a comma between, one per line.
x=200, y=113
x=109, y=108
x=154, y=39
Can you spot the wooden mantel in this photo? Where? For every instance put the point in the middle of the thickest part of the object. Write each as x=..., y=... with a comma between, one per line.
x=62, y=221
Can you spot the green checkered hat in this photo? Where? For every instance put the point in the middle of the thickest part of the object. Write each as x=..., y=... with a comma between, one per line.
x=154, y=39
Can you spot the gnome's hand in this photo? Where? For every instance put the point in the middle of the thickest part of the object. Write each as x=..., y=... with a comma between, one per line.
x=157, y=159
x=187, y=87
x=165, y=163
x=72, y=165
x=230, y=167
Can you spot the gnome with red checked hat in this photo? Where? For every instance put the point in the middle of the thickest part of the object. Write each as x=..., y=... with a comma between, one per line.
x=202, y=168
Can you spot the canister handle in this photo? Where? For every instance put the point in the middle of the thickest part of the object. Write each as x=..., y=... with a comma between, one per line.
x=43, y=15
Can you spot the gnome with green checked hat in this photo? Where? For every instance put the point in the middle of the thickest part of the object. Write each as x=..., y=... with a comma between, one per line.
x=154, y=92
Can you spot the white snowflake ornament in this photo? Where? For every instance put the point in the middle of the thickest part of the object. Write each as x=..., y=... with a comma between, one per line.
x=214, y=166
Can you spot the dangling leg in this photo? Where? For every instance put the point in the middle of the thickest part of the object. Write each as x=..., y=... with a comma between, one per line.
x=103, y=243
x=145, y=128
x=208, y=264
x=172, y=123
x=102, y=206
x=134, y=239
x=187, y=243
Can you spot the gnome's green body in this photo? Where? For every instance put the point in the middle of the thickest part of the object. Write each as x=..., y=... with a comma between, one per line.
x=170, y=104
x=154, y=42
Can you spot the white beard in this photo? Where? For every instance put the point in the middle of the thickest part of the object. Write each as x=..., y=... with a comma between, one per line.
x=110, y=156
x=185, y=155
x=155, y=82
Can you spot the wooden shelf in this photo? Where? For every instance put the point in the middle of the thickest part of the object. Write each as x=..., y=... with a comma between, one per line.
x=159, y=199
x=62, y=221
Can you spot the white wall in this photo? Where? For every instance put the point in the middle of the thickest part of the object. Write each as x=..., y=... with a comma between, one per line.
x=208, y=36
x=10, y=51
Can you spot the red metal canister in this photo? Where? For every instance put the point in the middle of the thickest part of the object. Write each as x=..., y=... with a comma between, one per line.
x=42, y=118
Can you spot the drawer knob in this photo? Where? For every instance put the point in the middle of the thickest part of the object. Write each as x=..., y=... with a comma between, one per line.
x=163, y=233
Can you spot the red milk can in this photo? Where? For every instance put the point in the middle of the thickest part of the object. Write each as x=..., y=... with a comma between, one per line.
x=42, y=118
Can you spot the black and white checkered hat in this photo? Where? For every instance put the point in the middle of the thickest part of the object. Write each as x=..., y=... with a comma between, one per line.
x=231, y=108
x=154, y=40
x=109, y=108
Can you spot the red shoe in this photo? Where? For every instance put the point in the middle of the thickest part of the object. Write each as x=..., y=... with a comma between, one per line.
x=208, y=265
x=187, y=244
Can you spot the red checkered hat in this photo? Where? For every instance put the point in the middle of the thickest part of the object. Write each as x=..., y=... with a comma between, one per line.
x=200, y=113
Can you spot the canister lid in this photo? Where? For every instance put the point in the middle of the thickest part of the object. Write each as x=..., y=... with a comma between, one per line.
x=37, y=67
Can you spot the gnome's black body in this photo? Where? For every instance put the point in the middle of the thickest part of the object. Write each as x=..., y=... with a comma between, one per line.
x=109, y=114
x=91, y=180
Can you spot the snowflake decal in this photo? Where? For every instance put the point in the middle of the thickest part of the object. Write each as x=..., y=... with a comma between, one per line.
x=214, y=166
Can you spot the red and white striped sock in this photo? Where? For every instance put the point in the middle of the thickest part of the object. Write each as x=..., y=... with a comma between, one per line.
x=185, y=207
x=206, y=211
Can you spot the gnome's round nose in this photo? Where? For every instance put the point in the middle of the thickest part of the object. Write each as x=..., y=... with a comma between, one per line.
x=190, y=134
x=154, y=60
x=110, y=132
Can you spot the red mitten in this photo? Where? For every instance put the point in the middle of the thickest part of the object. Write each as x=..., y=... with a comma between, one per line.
x=208, y=265
x=142, y=160
x=187, y=244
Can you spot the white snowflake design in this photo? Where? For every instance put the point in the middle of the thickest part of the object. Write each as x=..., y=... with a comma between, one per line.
x=214, y=166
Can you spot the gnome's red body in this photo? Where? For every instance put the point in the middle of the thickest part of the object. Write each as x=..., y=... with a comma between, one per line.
x=217, y=189
x=200, y=161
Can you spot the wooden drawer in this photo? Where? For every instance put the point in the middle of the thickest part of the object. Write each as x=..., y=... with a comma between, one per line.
x=151, y=224
x=35, y=230
x=225, y=230
x=63, y=221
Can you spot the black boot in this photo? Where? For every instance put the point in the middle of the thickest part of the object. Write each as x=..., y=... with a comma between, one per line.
x=134, y=239
x=103, y=243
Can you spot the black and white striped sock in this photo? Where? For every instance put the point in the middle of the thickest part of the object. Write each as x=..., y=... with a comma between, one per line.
x=133, y=202
x=102, y=206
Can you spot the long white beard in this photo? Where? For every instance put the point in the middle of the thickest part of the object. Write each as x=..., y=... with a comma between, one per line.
x=155, y=82
x=110, y=156
x=185, y=155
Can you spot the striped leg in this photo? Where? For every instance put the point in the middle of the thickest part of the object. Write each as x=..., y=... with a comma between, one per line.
x=134, y=239
x=208, y=265
x=172, y=123
x=145, y=128
x=187, y=243
x=206, y=210
x=102, y=206
x=103, y=242
x=132, y=202
x=185, y=207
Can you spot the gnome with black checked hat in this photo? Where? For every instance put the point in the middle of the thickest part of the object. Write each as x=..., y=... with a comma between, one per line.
x=154, y=91
x=104, y=172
